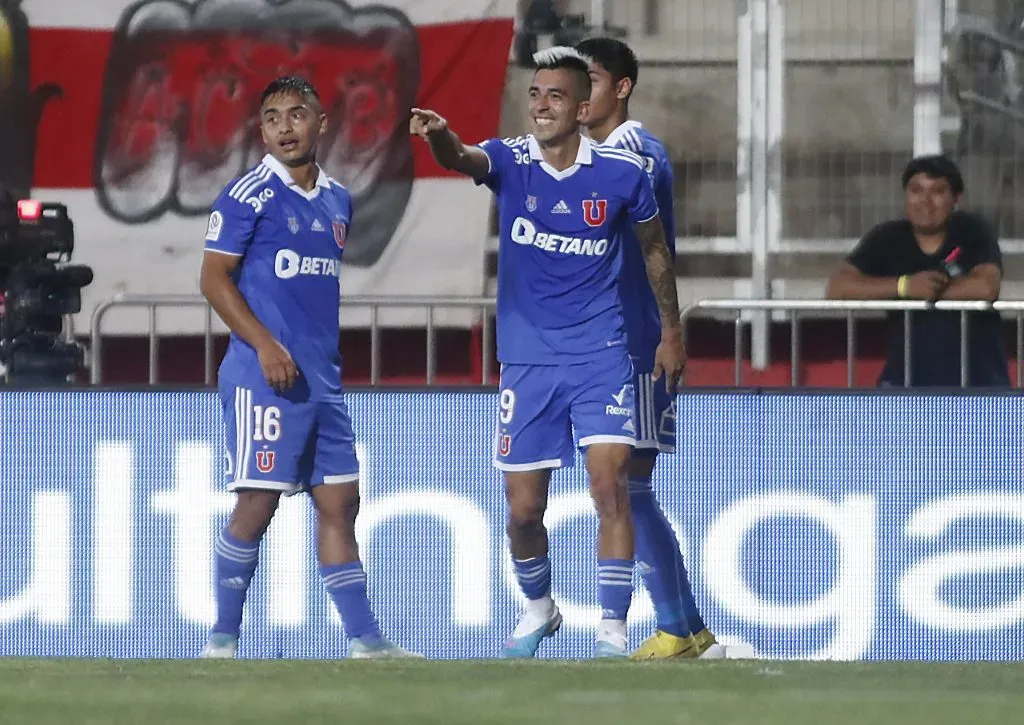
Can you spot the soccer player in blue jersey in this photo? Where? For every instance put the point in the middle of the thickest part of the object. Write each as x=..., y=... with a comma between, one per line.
x=270, y=270
x=563, y=204
x=680, y=629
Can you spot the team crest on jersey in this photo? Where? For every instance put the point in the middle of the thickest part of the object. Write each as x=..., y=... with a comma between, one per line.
x=504, y=444
x=264, y=461
x=340, y=231
x=531, y=204
x=595, y=211
x=293, y=225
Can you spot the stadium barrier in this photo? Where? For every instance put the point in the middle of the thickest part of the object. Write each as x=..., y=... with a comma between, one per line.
x=742, y=310
x=839, y=525
x=484, y=306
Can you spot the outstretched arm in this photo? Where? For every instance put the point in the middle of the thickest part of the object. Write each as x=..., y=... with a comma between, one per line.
x=446, y=147
x=671, y=355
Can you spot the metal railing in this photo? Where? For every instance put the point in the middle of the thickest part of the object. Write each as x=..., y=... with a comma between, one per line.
x=850, y=307
x=483, y=305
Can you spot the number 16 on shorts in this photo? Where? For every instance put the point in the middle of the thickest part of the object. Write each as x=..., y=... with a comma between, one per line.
x=252, y=438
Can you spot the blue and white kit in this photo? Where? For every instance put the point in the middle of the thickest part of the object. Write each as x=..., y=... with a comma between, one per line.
x=655, y=405
x=562, y=340
x=290, y=242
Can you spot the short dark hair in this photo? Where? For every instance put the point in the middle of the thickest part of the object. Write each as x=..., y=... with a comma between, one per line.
x=613, y=55
x=936, y=166
x=562, y=57
x=290, y=84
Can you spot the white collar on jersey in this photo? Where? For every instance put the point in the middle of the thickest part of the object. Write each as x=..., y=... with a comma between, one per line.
x=622, y=136
x=584, y=157
x=323, y=181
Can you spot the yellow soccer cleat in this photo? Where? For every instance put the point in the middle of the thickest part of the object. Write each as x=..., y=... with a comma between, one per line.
x=707, y=646
x=665, y=646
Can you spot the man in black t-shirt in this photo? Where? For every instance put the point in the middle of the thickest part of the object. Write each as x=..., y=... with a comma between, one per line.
x=934, y=253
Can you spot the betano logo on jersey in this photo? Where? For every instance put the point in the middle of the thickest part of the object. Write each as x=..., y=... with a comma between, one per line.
x=524, y=232
x=288, y=264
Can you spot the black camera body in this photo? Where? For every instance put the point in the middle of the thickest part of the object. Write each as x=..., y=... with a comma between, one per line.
x=38, y=288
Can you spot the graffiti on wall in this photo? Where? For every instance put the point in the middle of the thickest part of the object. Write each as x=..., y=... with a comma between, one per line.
x=180, y=100
x=182, y=93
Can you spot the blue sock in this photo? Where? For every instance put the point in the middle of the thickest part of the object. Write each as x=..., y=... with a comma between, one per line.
x=660, y=561
x=235, y=563
x=695, y=623
x=534, y=576
x=614, y=587
x=346, y=583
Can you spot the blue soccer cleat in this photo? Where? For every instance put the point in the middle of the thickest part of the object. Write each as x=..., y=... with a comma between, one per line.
x=524, y=646
x=607, y=650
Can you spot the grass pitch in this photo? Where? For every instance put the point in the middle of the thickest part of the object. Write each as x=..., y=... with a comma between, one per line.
x=153, y=692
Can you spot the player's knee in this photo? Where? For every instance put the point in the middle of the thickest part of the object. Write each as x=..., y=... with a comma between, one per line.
x=253, y=513
x=337, y=505
x=609, y=493
x=525, y=517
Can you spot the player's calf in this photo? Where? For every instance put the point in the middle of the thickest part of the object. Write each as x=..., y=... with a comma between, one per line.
x=342, y=572
x=607, y=466
x=527, y=498
x=526, y=494
x=236, y=554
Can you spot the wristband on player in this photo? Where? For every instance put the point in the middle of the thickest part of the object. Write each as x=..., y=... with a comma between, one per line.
x=902, y=286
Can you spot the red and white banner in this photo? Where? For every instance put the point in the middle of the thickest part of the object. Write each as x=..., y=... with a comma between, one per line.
x=136, y=114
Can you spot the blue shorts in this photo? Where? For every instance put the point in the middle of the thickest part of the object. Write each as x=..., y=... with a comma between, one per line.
x=541, y=406
x=655, y=416
x=278, y=444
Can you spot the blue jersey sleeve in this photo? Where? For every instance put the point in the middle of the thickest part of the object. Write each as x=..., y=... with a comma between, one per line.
x=503, y=154
x=663, y=181
x=642, y=205
x=231, y=226
x=346, y=202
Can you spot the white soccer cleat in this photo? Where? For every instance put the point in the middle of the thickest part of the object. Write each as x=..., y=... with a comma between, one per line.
x=535, y=624
x=220, y=647
x=378, y=648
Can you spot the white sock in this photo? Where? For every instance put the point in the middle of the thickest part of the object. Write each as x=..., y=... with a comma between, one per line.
x=612, y=631
x=536, y=613
x=543, y=606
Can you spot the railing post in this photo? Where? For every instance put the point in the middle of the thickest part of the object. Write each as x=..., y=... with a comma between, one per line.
x=927, y=77
x=758, y=129
x=208, y=346
x=965, y=363
x=851, y=349
x=431, y=346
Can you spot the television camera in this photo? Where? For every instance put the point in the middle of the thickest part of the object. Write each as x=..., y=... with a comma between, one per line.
x=38, y=287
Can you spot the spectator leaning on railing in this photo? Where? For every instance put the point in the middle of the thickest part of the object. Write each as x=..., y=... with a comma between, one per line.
x=934, y=253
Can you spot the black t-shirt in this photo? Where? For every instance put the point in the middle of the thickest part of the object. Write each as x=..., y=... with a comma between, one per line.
x=890, y=250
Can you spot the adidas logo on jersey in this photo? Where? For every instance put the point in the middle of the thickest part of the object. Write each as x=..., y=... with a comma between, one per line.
x=524, y=232
x=317, y=226
x=561, y=208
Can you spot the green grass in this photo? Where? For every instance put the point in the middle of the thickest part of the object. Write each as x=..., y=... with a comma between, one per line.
x=153, y=692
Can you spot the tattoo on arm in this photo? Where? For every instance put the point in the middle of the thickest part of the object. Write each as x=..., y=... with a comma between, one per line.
x=660, y=270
